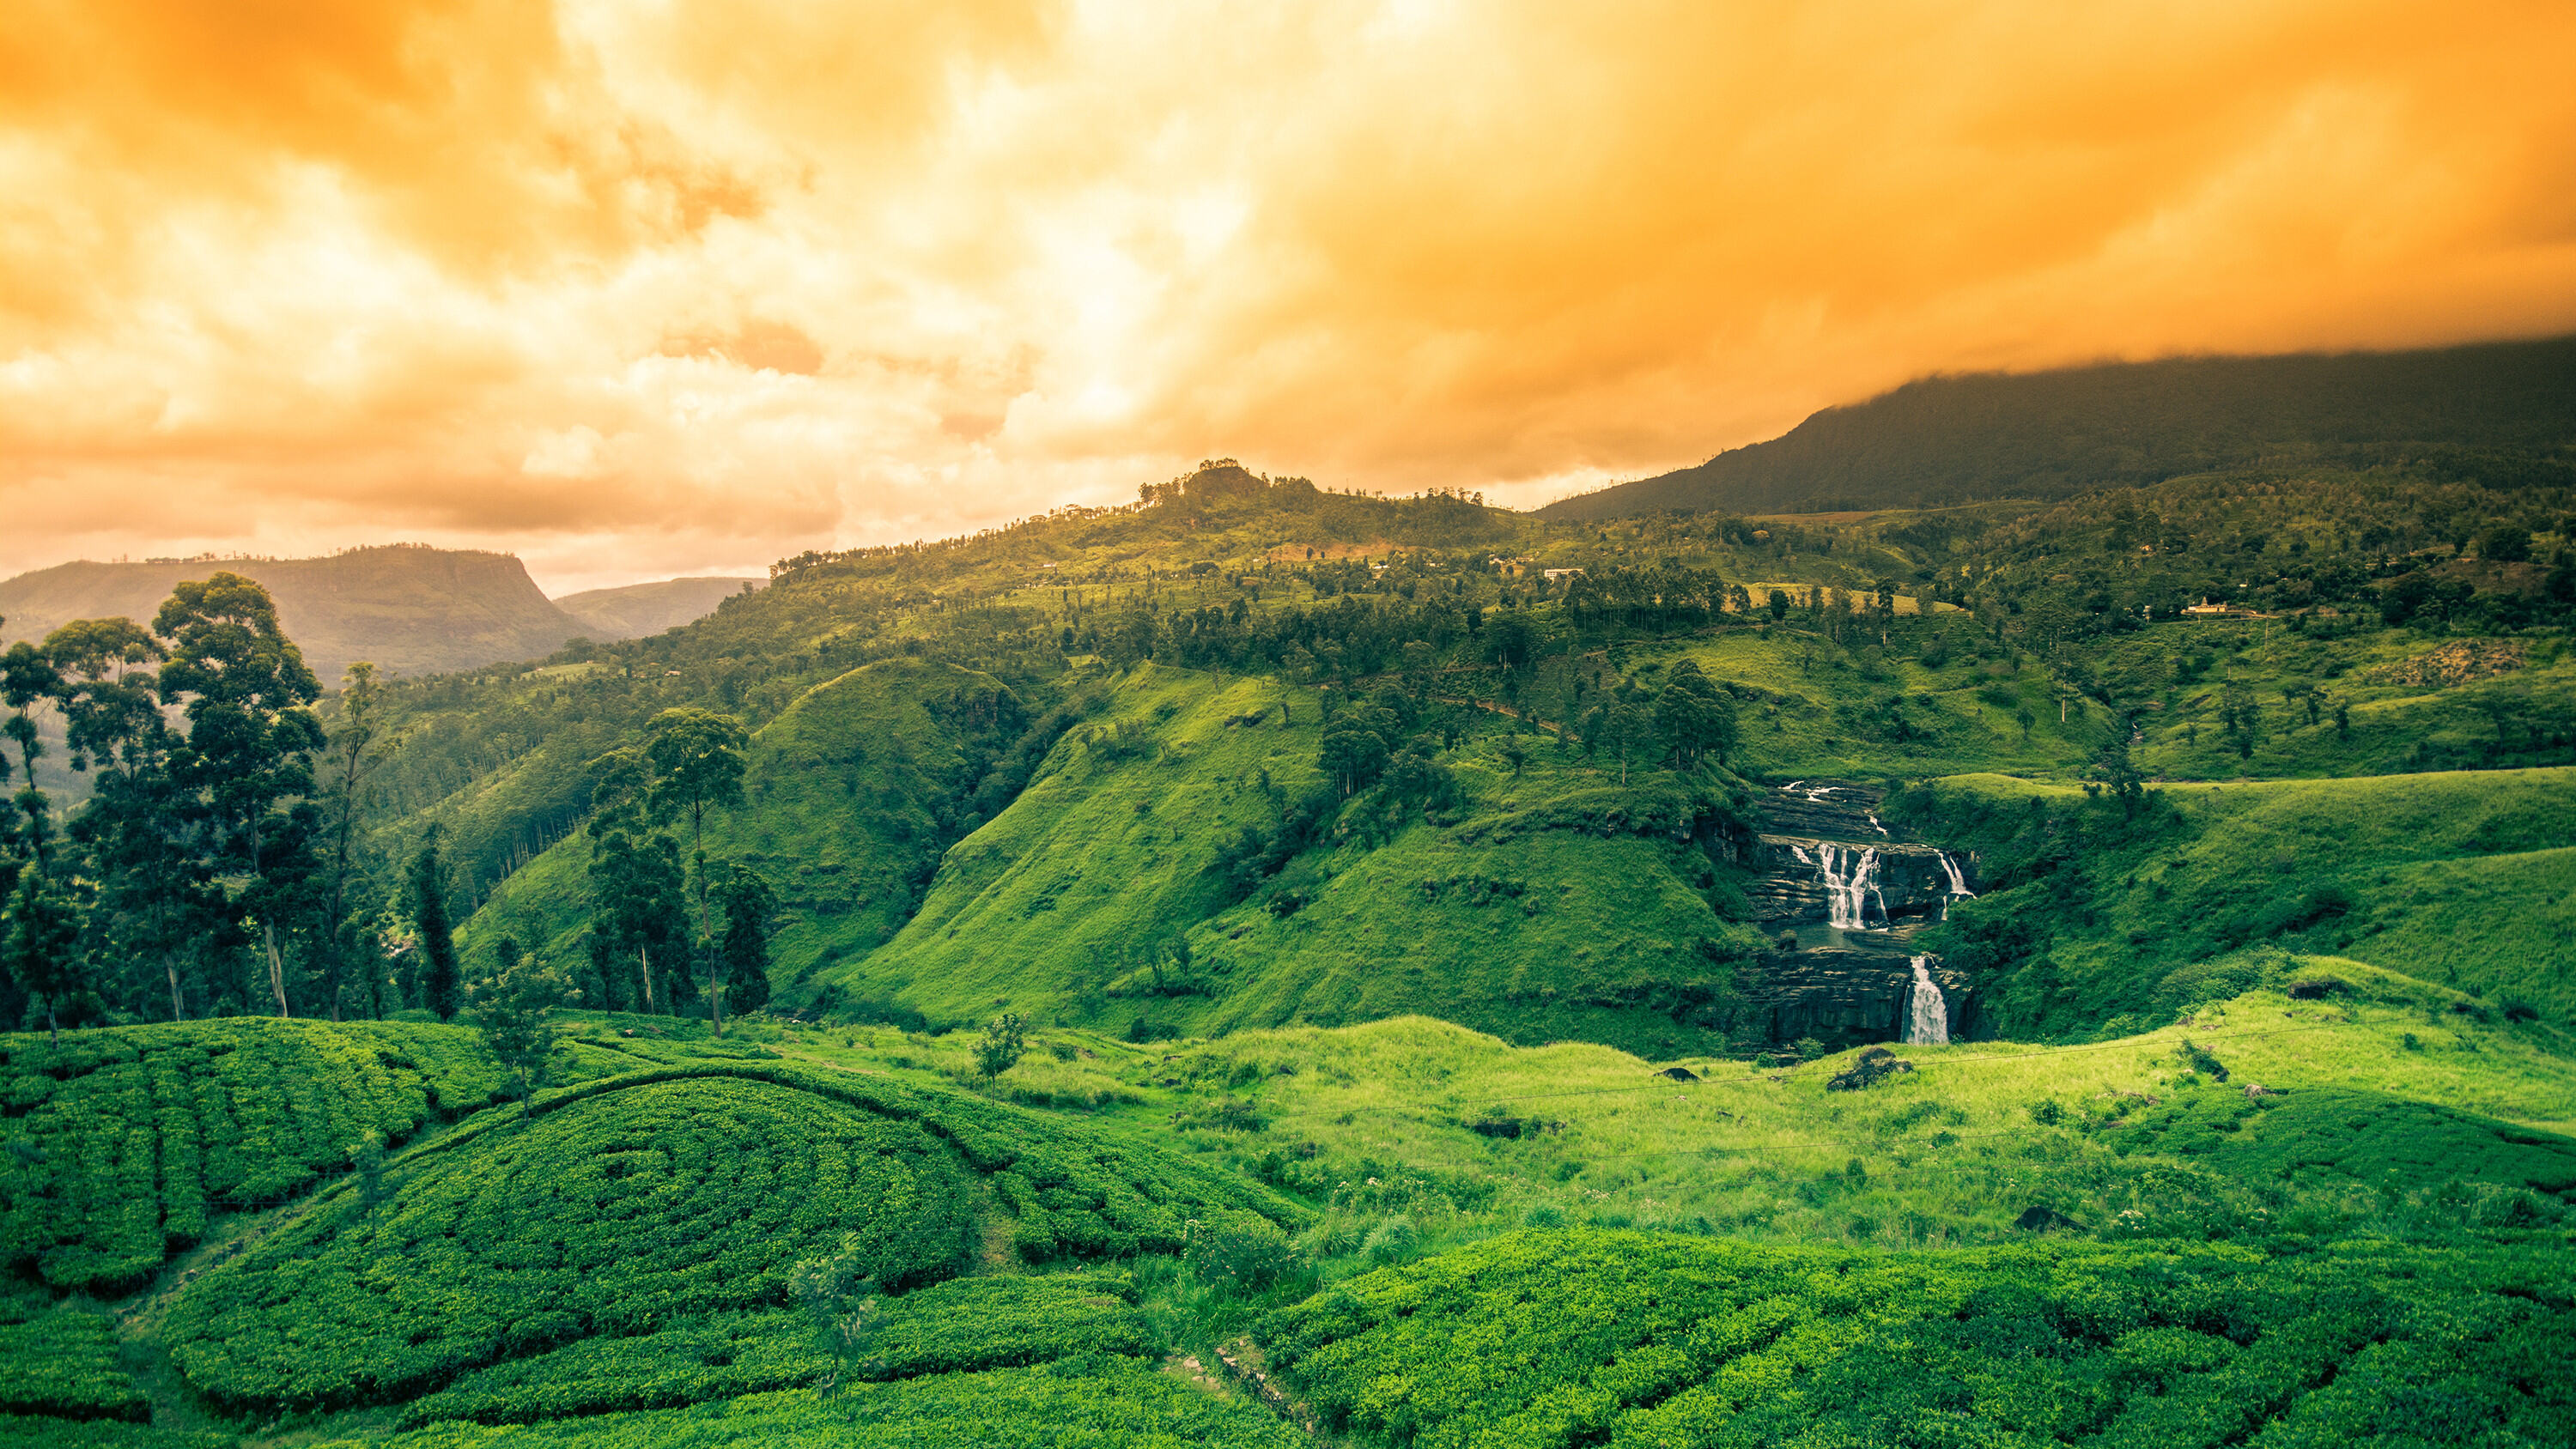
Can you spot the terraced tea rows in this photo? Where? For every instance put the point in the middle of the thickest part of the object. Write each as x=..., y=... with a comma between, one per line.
x=647, y=1202
x=118, y=1147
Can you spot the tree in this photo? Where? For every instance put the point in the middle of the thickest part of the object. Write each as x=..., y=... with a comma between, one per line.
x=2242, y=715
x=441, y=984
x=2115, y=770
x=842, y=1294
x=1696, y=717
x=1003, y=1041
x=1353, y=757
x=636, y=885
x=250, y=745
x=40, y=945
x=27, y=677
x=695, y=756
x=2025, y=719
x=1778, y=605
x=251, y=737
x=511, y=1005
x=360, y=697
x=748, y=904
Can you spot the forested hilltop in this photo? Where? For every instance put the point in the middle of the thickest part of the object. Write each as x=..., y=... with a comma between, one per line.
x=2502, y=411
x=1266, y=962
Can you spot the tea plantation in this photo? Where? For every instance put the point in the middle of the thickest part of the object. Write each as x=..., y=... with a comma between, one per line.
x=117, y=1147
x=1584, y=1337
x=640, y=1203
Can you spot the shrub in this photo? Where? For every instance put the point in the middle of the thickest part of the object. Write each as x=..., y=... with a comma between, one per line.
x=1242, y=1255
x=1391, y=1241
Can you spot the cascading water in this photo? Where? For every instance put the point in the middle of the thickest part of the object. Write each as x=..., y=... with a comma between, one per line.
x=1958, y=882
x=1851, y=878
x=1928, y=1013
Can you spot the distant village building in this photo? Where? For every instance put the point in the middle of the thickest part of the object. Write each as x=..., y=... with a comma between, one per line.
x=1554, y=574
x=2207, y=610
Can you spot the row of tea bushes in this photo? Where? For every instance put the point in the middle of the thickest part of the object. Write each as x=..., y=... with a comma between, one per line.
x=1094, y=1402
x=118, y=1145
x=1587, y=1337
x=64, y=1365
x=30, y=1433
x=646, y=1202
x=962, y=1325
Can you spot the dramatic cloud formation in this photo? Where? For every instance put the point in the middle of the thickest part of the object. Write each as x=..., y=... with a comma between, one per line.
x=641, y=289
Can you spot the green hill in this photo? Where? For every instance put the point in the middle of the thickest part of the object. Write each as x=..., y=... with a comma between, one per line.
x=2048, y=435
x=1170, y=864
x=2100, y=917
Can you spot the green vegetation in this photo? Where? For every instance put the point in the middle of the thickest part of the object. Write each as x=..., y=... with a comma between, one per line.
x=65, y=1365
x=630, y=1204
x=1623, y=1338
x=1165, y=866
x=1093, y=1400
x=118, y=1147
x=965, y=1325
x=2102, y=918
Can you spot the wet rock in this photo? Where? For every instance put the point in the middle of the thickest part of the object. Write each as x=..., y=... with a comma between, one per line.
x=1873, y=1066
x=1679, y=1074
x=2046, y=1220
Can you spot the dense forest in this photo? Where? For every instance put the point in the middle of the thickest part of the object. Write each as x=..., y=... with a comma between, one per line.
x=1975, y=970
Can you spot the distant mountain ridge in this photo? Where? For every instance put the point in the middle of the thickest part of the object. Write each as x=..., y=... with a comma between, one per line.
x=640, y=609
x=1958, y=439
x=409, y=609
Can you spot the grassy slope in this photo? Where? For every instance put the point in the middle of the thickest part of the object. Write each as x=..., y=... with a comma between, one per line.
x=837, y=789
x=1059, y=905
x=1949, y=1154
x=1827, y=715
x=2182, y=735
x=2459, y=877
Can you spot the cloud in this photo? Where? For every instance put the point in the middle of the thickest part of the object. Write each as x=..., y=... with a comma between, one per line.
x=689, y=286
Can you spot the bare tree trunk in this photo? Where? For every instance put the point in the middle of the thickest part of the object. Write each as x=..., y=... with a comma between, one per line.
x=646, y=962
x=276, y=968
x=178, y=1007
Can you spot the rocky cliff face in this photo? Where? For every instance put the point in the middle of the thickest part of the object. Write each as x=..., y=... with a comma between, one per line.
x=1842, y=893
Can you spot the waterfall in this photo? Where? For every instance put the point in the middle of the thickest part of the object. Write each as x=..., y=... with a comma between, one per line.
x=1847, y=895
x=1958, y=882
x=1927, y=1020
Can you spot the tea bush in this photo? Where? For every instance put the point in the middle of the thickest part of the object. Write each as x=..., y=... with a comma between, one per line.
x=1629, y=1339
x=117, y=1146
x=64, y=1364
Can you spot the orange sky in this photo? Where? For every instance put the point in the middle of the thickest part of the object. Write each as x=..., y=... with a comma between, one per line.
x=643, y=289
